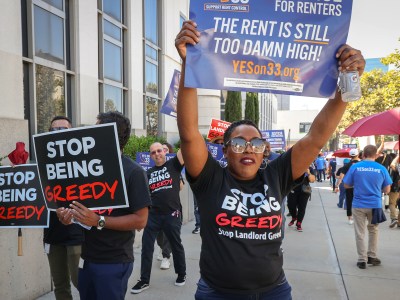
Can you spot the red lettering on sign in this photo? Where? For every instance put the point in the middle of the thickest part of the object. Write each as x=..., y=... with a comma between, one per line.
x=94, y=190
x=257, y=222
x=21, y=212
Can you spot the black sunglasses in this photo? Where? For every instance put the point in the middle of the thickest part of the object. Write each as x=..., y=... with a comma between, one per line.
x=156, y=151
x=58, y=128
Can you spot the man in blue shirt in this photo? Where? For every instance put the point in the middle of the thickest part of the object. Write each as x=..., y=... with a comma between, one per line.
x=320, y=163
x=369, y=180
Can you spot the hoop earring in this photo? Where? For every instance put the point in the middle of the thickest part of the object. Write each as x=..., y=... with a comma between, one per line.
x=264, y=164
x=223, y=162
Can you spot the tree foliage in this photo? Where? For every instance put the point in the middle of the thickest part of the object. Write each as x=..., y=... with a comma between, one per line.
x=252, y=111
x=249, y=111
x=233, y=107
x=380, y=92
x=140, y=144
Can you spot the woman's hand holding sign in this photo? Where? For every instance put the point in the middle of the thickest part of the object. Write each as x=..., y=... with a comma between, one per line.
x=187, y=35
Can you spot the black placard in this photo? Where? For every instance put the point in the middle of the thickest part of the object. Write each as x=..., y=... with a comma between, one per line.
x=21, y=199
x=81, y=164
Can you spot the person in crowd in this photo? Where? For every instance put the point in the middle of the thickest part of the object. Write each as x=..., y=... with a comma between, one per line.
x=394, y=192
x=320, y=163
x=369, y=179
x=355, y=158
x=298, y=199
x=162, y=241
x=62, y=243
x=107, y=252
x=241, y=204
x=332, y=172
x=268, y=154
x=167, y=147
x=340, y=185
x=165, y=215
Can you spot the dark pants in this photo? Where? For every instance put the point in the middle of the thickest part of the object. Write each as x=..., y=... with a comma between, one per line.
x=171, y=225
x=196, y=212
x=342, y=195
x=320, y=172
x=163, y=243
x=63, y=261
x=297, y=203
x=333, y=178
x=281, y=292
x=349, y=201
x=104, y=281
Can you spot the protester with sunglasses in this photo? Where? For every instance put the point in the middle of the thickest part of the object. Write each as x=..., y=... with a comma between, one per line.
x=165, y=215
x=62, y=243
x=240, y=205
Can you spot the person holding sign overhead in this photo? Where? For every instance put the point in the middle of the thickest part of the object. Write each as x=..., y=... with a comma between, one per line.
x=241, y=205
x=62, y=243
x=107, y=252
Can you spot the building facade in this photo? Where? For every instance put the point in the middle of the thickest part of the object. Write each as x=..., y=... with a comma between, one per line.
x=79, y=58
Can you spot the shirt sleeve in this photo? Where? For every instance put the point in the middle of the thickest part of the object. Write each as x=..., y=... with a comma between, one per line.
x=138, y=190
x=349, y=177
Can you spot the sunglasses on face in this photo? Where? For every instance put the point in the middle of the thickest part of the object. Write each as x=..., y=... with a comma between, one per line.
x=156, y=151
x=239, y=145
x=58, y=128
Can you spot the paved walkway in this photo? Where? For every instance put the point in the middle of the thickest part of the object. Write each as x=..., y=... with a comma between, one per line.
x=320, y=262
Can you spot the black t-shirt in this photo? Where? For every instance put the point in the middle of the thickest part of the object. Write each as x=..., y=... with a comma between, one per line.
x=164, y=185
x=241, y=225
x=114, y=246
x=306, y=181
x=344, y=170
x=59, y=234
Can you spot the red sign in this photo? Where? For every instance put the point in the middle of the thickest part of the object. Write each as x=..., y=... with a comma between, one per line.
x=217, y=128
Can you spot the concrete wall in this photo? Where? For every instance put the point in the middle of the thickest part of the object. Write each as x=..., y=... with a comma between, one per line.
x=27, y=276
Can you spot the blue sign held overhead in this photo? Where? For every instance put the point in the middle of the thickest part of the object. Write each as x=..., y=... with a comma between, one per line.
x=351, y=146
x=170, y=101
x=284, y=47
x=276, y=138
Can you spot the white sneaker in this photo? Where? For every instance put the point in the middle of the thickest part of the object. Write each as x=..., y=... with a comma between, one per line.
x=165, y=264
x=351, y=222
x=159, y=256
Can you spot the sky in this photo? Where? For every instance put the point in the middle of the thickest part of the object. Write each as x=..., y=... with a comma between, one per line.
x=374, y=29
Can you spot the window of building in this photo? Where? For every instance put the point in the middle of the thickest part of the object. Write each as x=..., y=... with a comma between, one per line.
x=46, y=61
x=111, y=55
x=151, y=66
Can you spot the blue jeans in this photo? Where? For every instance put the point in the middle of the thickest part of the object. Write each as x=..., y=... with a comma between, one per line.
x=171, y=225
x=104, y=281
x=342, y=195
x=196, y=212
x=205, y=292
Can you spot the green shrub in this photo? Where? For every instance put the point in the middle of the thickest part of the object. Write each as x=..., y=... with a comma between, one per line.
x=140, y=144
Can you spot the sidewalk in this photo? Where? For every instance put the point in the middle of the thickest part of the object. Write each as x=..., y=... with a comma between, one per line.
x=320, y=262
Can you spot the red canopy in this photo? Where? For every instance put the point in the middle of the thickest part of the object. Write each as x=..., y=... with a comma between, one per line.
x=342, y=153
x=384, y=123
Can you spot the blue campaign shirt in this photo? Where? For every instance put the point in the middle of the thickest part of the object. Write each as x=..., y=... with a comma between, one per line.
x=368, y=179
x=320, y=163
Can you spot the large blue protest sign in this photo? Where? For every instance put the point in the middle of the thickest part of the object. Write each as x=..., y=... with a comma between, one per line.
x=169, y=105
x=276, y=138
x=277, y=46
